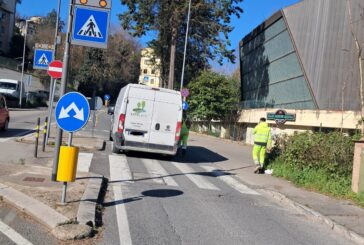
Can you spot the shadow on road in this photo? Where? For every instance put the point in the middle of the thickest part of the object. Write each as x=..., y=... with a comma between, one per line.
x=195, y=154
x=15, y=132
x=158, y=193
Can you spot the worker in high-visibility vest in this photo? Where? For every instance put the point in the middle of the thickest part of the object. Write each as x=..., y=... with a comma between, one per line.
x=184, y=136
x=262, y=142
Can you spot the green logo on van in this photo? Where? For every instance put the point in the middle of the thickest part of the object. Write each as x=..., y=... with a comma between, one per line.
x=140, y=107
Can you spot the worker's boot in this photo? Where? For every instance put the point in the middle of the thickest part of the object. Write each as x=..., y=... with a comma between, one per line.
x=257, y=168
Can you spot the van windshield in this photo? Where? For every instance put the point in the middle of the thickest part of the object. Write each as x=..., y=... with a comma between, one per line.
x=5, y=85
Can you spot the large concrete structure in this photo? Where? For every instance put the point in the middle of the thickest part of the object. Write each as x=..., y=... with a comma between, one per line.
x=7, y=22
x=304, y=59
x=149, y=68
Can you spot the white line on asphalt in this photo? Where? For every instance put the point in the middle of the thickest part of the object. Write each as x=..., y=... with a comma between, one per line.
x=119, y=169
x=230, y=181
x=122, y=217
x=13, y=235
x=198, y=180
x=158, y=173
x=84, y=162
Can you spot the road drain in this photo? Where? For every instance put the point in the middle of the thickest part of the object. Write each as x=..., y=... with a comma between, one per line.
x=34, y=179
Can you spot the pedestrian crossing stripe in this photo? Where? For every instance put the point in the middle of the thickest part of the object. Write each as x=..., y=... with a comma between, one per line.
x=90, y=29
x=43, y=60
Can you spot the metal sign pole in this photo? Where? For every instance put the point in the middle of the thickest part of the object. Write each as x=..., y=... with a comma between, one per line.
x=64, y=189
x=186, y=40
x=53, y=81
x=63, y=89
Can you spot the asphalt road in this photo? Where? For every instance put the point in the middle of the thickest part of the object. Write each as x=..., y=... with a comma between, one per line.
x=154, y=200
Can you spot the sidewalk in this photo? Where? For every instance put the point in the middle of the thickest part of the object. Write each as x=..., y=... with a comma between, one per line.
x=26, y=184
x=341, y=215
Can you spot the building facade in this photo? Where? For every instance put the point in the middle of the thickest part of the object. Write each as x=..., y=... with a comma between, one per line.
x=304, y=59
x=32, y=25
x=7, y=22
x=149, y=68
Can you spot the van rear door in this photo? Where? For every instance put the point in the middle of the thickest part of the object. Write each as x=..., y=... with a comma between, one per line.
x=166, y=113
x=138, y=115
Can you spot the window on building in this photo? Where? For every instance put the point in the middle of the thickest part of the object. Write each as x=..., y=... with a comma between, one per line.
x=153, y=71
x=145, y=71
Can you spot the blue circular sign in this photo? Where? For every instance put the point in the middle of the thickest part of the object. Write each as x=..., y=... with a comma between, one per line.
x=72, y=112
x=106, y=97
x=185, y=105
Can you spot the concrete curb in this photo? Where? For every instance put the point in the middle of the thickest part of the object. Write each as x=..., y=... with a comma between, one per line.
x=35, y=208
x=30, y=139
x=87, y=209
x=316, y=216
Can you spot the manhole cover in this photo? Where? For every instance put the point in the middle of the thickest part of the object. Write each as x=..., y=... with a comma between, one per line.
x=33, y=179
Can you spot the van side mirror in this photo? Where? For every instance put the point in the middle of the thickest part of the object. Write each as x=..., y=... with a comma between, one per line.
x=110, y=111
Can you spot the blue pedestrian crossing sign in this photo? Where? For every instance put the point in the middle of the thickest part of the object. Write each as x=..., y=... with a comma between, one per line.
x=90, y=26
x=106, y=97
x=185, y=105
x=42, y=58
x=72, y=112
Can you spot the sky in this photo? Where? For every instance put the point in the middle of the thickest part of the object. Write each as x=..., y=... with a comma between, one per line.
x=255, y=12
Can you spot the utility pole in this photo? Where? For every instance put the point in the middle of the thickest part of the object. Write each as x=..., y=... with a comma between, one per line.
x=53, y=81
x=63, y=88
x=23, y=63
x=186, y=40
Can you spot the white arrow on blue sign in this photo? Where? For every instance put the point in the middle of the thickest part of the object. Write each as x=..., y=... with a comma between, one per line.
x=185, y=105
x=90, y=26
x=106, y=97
x=42, y=58
x=72, y=112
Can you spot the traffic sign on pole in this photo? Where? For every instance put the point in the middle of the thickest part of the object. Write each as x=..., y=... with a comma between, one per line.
x=42, y=58
x=106, y=97
x=72, y=112
x=185, y=105
x=185, y=92
x=90, y=26
x=106, y=4
x=55, y=69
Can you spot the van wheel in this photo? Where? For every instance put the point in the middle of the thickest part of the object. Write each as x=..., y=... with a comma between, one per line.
x=6, y=125
x=114, y=149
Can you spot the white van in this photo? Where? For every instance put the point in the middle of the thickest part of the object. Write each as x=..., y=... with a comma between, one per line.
x=10, y=88
x=146, y=119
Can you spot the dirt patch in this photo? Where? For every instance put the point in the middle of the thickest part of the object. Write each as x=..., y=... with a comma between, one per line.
x=46, y=191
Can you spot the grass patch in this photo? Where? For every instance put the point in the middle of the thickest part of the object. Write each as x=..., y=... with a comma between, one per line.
x=318, y=180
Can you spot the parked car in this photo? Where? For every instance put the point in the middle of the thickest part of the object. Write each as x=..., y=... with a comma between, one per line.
x=4, y=114
x=146, y=119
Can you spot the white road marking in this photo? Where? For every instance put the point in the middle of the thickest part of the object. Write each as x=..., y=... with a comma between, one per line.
x=119, y=171
x=84, y=162
x=198, y=180
x=13, y=235
x=158, y=173
x=230, y=181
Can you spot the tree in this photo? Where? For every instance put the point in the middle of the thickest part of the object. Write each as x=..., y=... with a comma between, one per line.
x=93, y=72
x=208, y=33
x=106, y=71
x=214, y=97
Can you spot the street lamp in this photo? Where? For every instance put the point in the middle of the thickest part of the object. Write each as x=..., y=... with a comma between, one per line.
x=22, y=68
x=184, y=53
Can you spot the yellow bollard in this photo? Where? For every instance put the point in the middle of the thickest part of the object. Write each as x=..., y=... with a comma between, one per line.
x=67, y=166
